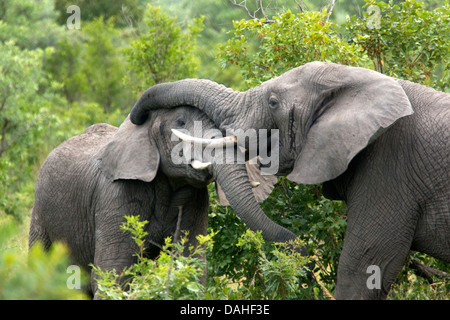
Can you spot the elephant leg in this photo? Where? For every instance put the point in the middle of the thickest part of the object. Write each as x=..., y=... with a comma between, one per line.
x=114, y=249
x=376, y=245
x=433, y=233
x=38, y=234
x=190, y=206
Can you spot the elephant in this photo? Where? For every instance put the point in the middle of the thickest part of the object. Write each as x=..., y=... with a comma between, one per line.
x=379, y=143
x=89, y=183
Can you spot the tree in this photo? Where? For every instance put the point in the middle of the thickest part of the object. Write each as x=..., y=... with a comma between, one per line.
x=418, y=50
x=34, y=117
x=24, y=21
x=265, y=50
x=162, y=52
x=89, y=65
x=64, y=66
x=104, y=67
x=23, y=118
x=122, y=11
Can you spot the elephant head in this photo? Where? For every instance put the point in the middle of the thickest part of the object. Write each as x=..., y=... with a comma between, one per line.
x=140, y=152
x=325, y=113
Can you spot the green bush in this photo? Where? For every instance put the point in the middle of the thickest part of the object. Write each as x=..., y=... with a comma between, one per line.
x=175, y=275
x=35, y=274
x=171, y=276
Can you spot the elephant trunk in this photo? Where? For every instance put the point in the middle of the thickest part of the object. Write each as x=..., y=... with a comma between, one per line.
x=229, y=109
x=233, y=180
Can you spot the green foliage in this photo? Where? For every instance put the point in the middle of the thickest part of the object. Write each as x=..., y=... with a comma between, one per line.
x=319, y=221
x=218, y=20
x=25, y=96
x=418, y=50
x=89, y=66
x=33, y=119
x=24, y=21
x=410, y=286
x=173, y=275
x=226, y=258
x=163, y=52
x=101, y=51
x=177, y=275
x=136, y=228
x=280, y=274
x=64, y=64
x=122, y=12
x=33, y=275
x=265, y=50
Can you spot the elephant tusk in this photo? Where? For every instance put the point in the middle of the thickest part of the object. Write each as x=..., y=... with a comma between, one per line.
x=254, y=184
x=212, y=143
x=198, y=165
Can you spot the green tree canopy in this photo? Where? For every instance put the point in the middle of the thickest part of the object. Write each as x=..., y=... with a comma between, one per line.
x=122, y=12
x=163, y=52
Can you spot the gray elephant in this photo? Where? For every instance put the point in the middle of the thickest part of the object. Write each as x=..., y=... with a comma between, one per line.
x=90, y=182
x=379, y=143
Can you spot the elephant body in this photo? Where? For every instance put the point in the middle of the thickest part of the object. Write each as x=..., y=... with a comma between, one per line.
x=398, y=196
x=90, y=182
x=379, y=143
x=90, y=208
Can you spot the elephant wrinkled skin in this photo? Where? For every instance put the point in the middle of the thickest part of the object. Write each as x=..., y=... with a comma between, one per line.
x=90, y=182
x=379, y=143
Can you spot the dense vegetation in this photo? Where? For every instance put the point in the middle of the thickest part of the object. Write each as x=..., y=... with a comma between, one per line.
x=56, y=81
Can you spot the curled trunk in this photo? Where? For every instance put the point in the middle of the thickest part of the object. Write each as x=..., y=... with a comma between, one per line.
x=203, y=94
x=234, y=182
x=223, y=105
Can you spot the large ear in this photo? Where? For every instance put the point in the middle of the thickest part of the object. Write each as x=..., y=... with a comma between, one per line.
x=263, y=184
x=363, y=104
x=130, y=154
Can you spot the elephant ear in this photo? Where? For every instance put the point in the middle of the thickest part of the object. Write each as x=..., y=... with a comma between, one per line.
x=262, y=187
x=130, y=154
x=361, y=105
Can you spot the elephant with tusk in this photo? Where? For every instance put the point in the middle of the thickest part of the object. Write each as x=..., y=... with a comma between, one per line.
x=379, y=143
x=90, y=182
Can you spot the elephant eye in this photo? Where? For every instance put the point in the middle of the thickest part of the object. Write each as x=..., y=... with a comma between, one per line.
x=181, y=123
x=273, y=102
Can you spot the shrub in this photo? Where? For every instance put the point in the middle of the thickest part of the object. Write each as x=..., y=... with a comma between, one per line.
x=36, y=274
x=175, y=275
x=171, y=276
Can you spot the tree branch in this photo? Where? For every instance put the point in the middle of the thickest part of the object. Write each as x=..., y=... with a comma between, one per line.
x=3, y=139
x=174, y=240
x=176, y=236
x=427, y=271
x=299, y=6
x=262, y=9
x=243, y=4
x=330, y=9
